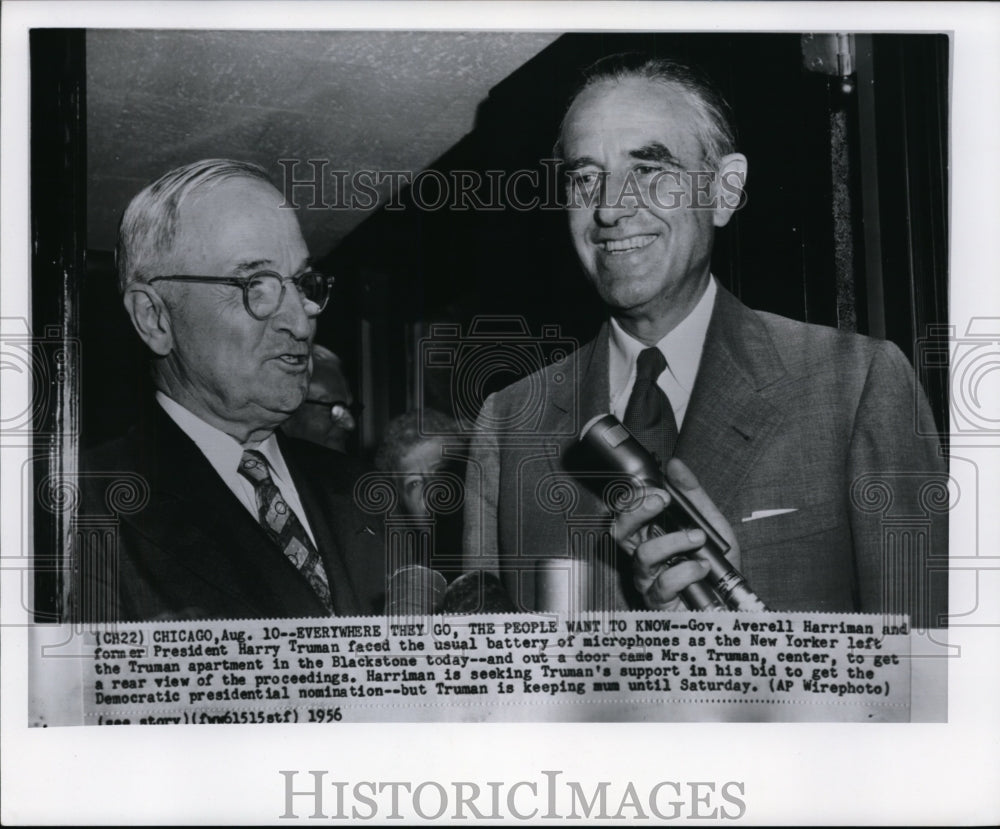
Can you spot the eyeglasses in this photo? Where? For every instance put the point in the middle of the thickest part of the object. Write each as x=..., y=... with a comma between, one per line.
x=339, y=410
x=264, y=291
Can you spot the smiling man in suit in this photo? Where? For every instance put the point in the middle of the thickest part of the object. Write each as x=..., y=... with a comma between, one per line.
x=780, y=432
x=230, y=518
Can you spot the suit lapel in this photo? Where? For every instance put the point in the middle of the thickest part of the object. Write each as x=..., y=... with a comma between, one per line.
x=728, y=421
x=211, y=533
x=582, y=399
x=576, y=403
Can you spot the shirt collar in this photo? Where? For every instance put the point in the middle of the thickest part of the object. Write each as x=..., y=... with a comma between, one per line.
x=681, y=347
x=222, y=451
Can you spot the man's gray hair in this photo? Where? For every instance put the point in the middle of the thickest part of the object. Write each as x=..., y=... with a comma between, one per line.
x=714, y=128
x=407, y=431
x=149, y=224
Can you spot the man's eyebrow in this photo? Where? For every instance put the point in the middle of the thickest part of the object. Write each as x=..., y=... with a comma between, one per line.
x=580, y=162
x=655, y=151
x=249, y=266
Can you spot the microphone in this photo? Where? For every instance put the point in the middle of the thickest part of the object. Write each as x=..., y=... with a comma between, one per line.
x=477, y=592
x=608, y=446
x=420, y=591
x=415, y=591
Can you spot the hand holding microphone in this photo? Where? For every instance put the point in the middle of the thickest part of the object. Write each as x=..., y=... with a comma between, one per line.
x=677, y=520
x=666, y=566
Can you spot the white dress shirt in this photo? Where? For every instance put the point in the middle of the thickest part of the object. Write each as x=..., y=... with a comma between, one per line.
x=224, y=453
x=681, y=348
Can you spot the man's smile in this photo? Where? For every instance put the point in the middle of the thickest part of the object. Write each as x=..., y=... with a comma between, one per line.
x=626, y=245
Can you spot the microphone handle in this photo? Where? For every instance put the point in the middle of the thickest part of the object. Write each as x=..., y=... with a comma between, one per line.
x=727, y=583
x=700, y=595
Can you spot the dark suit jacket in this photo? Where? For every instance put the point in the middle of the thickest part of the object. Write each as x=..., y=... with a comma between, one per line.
x=783, y=416
x=160, y=535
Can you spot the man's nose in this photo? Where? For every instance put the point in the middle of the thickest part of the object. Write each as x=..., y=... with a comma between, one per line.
x=618, y=200
x=296, y=314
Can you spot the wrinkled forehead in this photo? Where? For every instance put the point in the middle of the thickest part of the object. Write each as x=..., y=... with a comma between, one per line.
x=236, y=221
x=629, y=114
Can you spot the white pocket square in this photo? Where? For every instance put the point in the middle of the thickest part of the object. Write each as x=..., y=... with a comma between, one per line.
x=767, y=513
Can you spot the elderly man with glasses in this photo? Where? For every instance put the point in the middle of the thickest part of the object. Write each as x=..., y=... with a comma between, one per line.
x=231, y=518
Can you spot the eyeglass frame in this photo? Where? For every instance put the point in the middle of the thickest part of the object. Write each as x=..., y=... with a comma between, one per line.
x=243, y=282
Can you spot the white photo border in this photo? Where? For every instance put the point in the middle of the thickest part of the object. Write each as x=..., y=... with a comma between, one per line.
x=802, y=773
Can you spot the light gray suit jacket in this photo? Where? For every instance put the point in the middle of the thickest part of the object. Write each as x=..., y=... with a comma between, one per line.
x=826, y=426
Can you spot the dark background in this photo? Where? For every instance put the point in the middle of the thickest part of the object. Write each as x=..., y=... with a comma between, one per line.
x=846, y=221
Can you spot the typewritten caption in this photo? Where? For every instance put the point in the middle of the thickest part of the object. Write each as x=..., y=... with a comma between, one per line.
x=505, y=666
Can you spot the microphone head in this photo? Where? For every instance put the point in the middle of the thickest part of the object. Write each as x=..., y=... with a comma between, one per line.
x=607, y=446
x=591, y=423
x=415, y=591
x=477, y=592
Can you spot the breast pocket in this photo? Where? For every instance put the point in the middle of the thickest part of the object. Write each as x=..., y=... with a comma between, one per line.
x=800, y=560
x=804, y=521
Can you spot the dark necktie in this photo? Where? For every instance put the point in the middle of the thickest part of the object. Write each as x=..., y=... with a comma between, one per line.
x=283, y=526
x=649, y=415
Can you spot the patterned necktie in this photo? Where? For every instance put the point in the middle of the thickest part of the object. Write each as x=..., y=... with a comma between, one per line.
x=649, y=415
x=283, y=526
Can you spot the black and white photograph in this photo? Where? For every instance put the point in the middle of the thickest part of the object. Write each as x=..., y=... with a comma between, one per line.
x=418, y=380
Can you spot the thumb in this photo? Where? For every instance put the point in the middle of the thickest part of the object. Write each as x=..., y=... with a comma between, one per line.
x=629, y=522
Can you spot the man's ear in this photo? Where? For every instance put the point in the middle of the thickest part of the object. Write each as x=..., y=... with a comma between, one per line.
x=729, y=193
x=150, y=317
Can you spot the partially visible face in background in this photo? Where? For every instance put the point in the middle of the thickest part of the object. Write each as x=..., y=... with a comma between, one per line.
x=314, y=421
x=418, y=468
